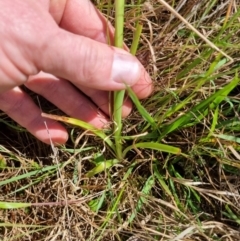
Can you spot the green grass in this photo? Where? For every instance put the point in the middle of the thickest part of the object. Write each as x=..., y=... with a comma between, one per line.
x=175, y=175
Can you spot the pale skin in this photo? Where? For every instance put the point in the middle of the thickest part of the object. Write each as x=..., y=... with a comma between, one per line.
x=58, y=49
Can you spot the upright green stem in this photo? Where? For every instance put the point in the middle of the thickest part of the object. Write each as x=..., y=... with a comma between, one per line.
x=117, y=114
x=118, y=96
x=119, y=23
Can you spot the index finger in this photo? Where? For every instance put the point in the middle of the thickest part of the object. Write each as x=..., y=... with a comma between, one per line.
x=82, y=18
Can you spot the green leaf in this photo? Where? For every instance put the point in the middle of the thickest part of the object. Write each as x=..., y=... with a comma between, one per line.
x=102, y=167
x=144, y=113
x=97, y=203
x=161, y=181
x=153, y=146
x=83, y=125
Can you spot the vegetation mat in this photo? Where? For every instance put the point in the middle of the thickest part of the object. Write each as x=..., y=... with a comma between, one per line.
x=179, y=176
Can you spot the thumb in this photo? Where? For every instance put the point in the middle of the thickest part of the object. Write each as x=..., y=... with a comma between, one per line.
x=88, y=63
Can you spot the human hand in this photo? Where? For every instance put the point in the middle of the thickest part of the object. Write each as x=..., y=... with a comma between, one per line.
x=56, y=48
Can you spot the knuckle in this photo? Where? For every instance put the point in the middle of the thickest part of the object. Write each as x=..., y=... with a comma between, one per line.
x=94, y=64
x=51, y=87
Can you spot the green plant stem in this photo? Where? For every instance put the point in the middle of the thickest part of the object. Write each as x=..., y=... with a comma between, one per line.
x=119, y=23
x=117, y=118
x=118, y=96
x=136, y=38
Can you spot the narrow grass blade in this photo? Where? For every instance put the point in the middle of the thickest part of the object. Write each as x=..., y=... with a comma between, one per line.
x=201, y=110
x=32, y=183
x=141, y=109
x=208, y=75
x=209, y=7
x=143, y=199
x=136, y=38
x=214, y=122
x=9, y=205
x=231, y=215
x=161, y=181
x=175, y=195
x=17, y=128
x=232, y=124
x=177, y=107
x=193, y=64
x=83, y=125
x=153, y=146
x=228, y=138
x=29, y=174
x=228, y=25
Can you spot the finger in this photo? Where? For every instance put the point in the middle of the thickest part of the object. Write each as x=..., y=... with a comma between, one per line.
x=67, y=98
x=82, y=18
x=20, y=107
x=93, y=25
x=144, y=87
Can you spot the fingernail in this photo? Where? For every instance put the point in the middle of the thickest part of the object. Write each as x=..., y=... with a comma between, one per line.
x=125, y=68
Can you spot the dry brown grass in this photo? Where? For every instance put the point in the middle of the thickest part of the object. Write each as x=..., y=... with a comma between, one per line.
x=62, y=198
